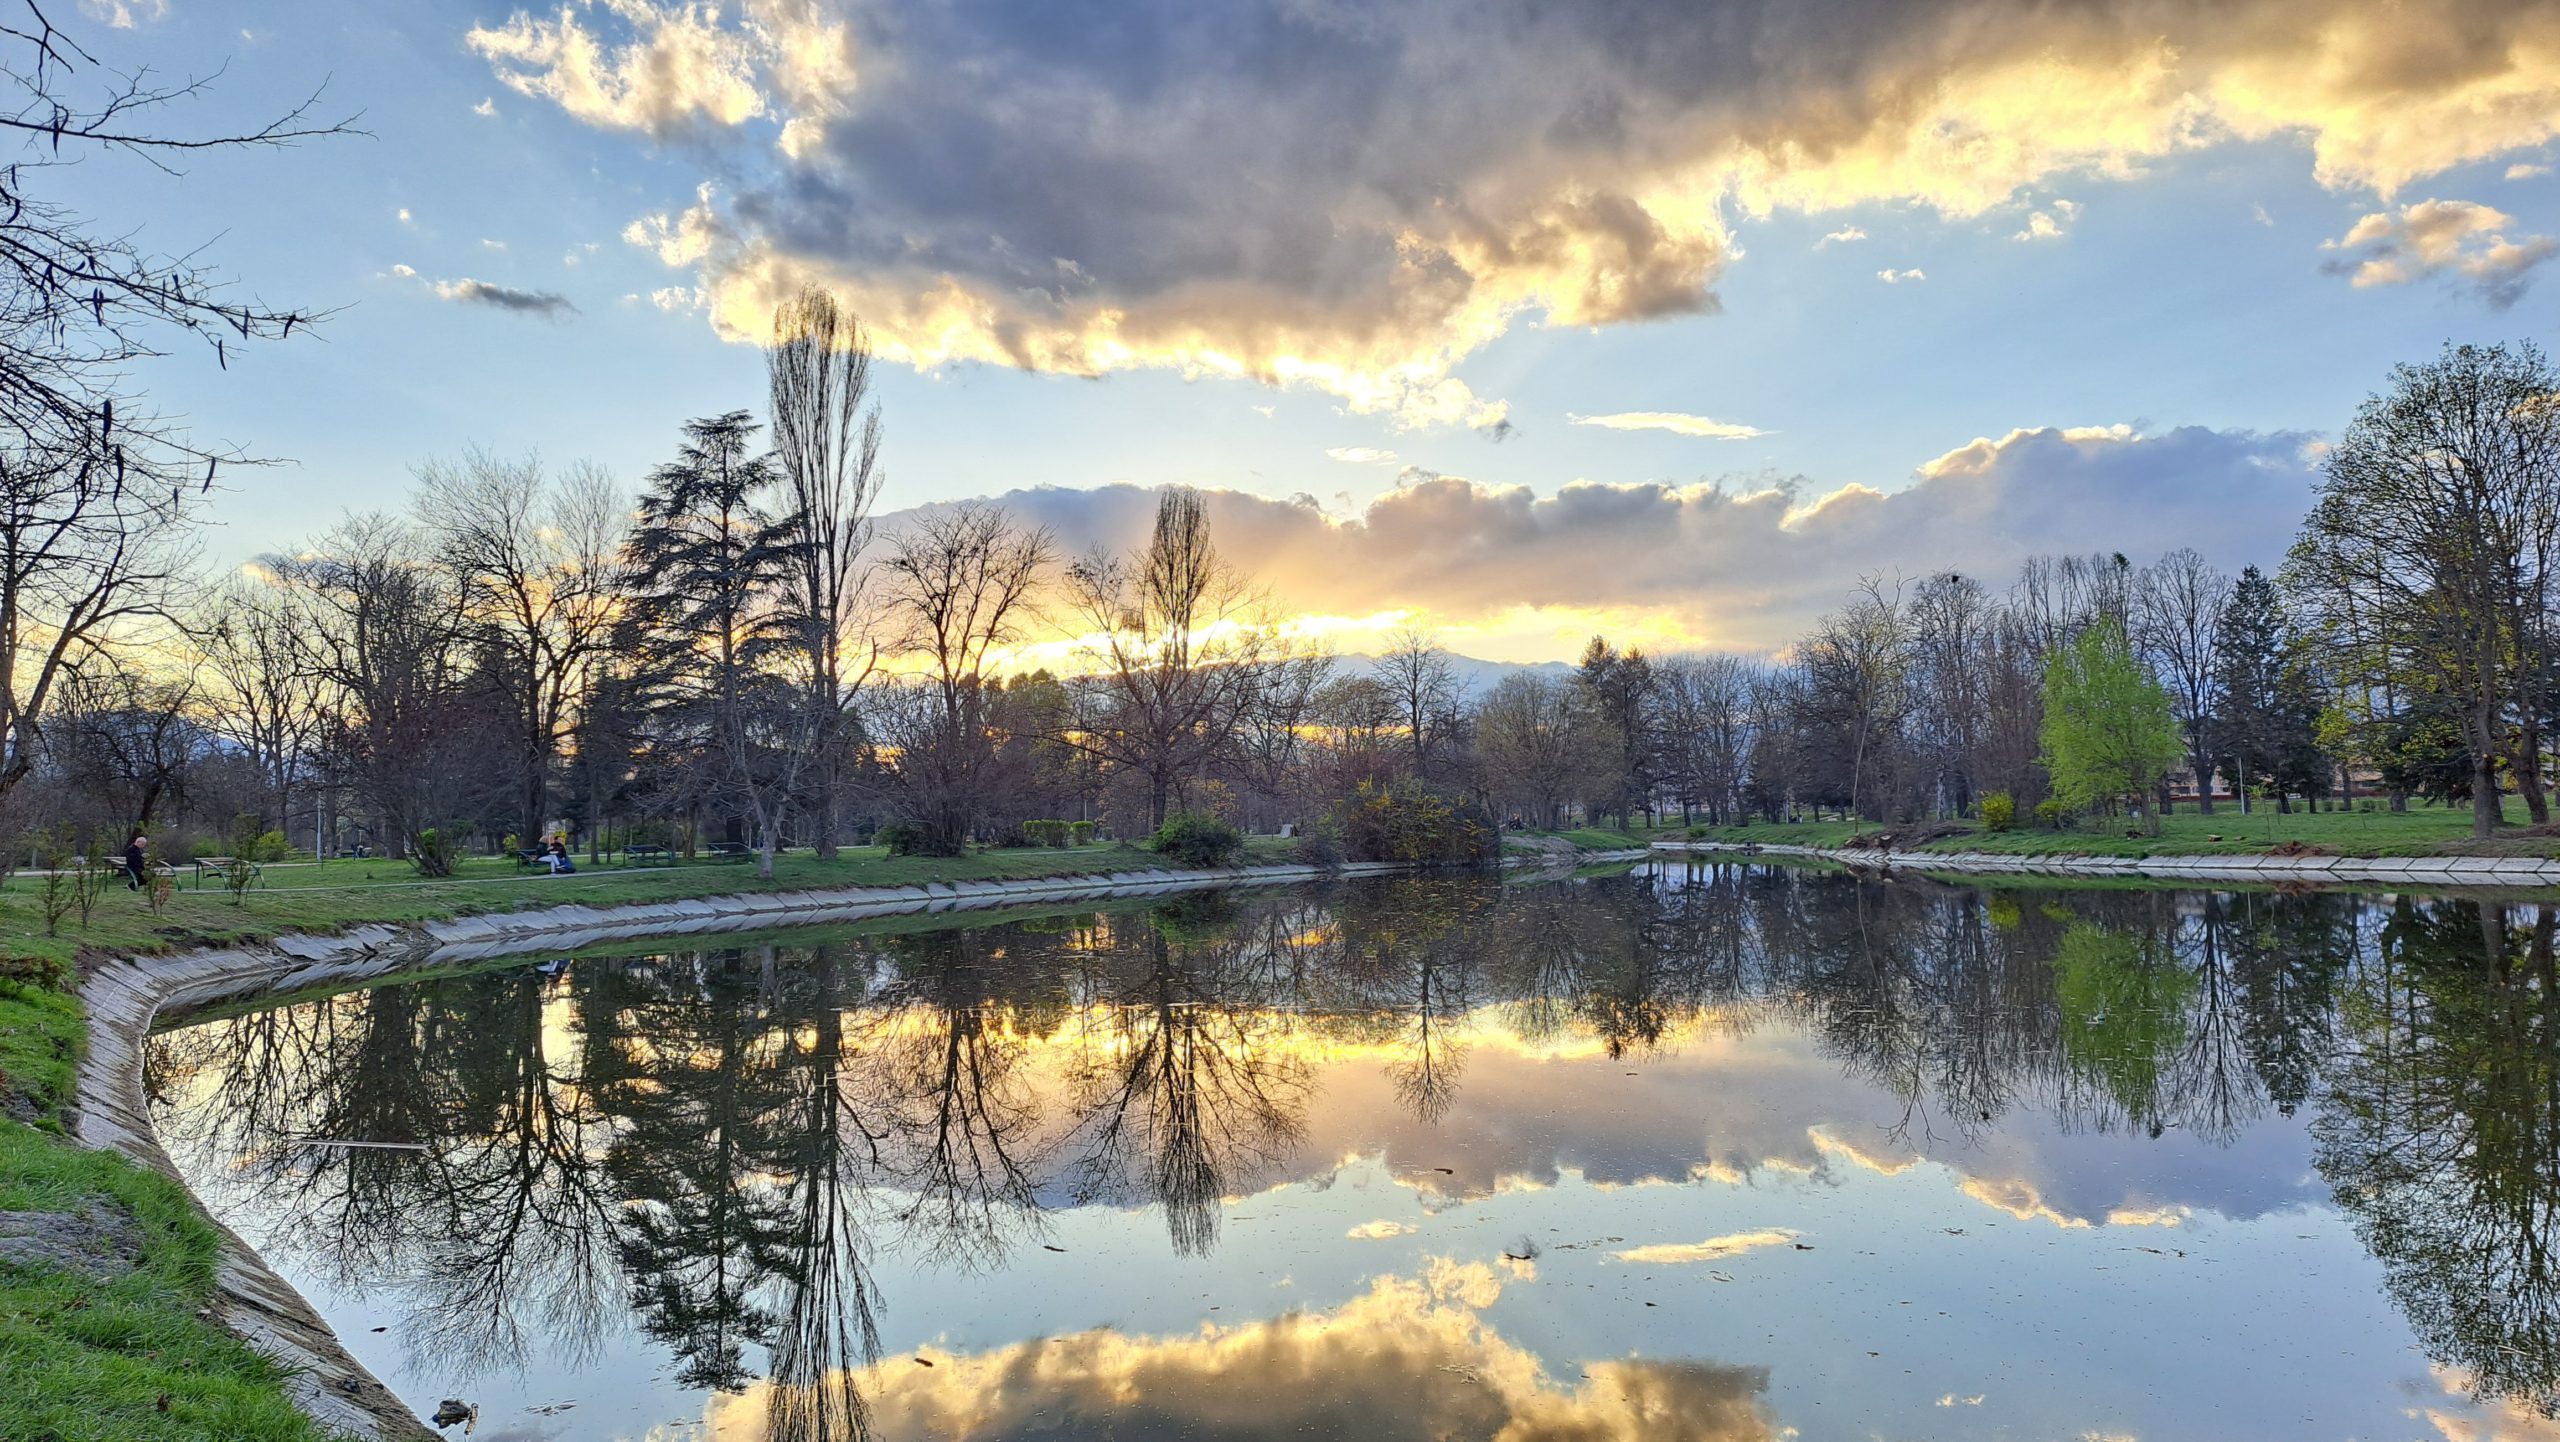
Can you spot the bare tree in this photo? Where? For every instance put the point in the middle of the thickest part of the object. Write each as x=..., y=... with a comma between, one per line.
x=1183, y=649
x=2178, y=604
x=1415, y=669
x=1536, y=744
x=827, y=445
x=81, y=303
x=959, y=586
x=263, y=688
x=536, y=563
x=387, y=634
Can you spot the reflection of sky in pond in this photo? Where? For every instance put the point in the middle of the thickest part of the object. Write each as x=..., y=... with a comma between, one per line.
x=1708, y=1154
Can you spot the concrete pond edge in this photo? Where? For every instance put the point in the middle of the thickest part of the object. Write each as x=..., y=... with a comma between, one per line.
x=2428, y=871
x=124, y=998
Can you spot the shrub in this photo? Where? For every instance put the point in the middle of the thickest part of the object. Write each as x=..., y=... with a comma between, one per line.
x=1045, y=833
x=1412, y=822
x=2049, y=811
x=1319, y=845
x=901, y=838
x=1999, y=811
x=1080, y=833
x=1197, y=838
x=438, y=849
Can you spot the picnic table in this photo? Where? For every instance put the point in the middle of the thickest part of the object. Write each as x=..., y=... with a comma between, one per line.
x=641, y=853
x=728, y=851
x=219, y=868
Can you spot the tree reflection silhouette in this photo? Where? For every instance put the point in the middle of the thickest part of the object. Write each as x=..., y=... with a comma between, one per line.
x=2440, y=1132
x=720, y=1143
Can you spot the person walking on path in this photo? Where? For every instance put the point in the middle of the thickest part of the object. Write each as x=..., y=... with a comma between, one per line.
x=136, y=874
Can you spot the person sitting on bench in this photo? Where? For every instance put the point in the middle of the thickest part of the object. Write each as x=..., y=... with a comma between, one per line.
x=555, y=853
x=136, y=872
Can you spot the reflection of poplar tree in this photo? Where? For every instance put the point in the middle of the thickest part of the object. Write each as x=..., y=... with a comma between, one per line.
x=2440, y=1133
x=2124, y=1013
x=696, y=1092
x=829, y=1322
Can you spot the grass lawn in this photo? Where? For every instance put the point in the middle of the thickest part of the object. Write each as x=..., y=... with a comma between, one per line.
x=332, y=895
x=128, y=1358
x=2419, y=831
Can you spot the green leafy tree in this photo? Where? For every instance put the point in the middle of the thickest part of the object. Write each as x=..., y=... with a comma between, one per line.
x=2108, y=732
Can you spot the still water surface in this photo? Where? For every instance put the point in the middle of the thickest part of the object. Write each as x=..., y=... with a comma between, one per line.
x=1703, y=1152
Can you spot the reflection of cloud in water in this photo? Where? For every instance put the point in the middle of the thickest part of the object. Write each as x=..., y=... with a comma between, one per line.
x=1729, y=1245
x=1379, y=1229
x=1768, y=1107
x=1409, y=1358
x=2464, y=1420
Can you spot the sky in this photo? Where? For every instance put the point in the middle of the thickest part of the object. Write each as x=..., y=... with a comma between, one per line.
x=1517, y=320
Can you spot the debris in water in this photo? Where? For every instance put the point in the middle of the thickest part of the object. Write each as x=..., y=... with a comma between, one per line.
x=924, y=1361
x=1044, y=1246
x=1804, y=1246
x=454, y=1409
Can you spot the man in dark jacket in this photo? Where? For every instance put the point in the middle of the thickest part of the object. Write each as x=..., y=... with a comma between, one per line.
x=136, y=874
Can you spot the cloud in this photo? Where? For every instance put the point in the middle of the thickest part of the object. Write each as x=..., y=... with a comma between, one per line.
x=1672, y=421
x=488, y=244
x=1356, y=199
x=682, y=68
x=402, y=215
x=487, y=107
x=1407, y=1358
x=1843, y=236
x=550, y=305
x=2460, y=240
x=2051, y=223
x=1891, y=276
x=405, y=272
x=126, y=14
x=2523, y=171
x=1732, y=1244
x=1379, y=1230
x=1746, y=564
x=1361, y=455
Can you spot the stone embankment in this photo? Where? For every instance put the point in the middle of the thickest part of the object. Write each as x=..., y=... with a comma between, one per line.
x=125, y=997
x=2430, y=872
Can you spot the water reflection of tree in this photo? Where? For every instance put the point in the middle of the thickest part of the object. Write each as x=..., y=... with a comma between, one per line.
x=829, y=1316
x=2440, y=1133
x=722, y=1139
x=688, y=1068
x=959, y=1119
x=1191, y=1096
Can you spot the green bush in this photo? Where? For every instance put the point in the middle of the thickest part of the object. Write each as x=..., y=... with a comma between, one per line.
x=901, y=838
x=439, y=849
x=1079, y=833
x=2049, y=811
x=1046, y=833
x=1412, y=822
x=1197, y=838
x=1999, y=811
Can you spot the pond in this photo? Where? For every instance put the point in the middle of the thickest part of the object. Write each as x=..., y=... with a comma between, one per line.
x=1709, y=1152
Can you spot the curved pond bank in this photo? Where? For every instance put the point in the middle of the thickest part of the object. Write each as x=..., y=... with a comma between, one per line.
x=2431, y=872
x=124, y=998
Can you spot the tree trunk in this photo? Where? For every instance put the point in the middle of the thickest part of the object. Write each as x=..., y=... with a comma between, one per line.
x=2204, y=782
x=2485, y=815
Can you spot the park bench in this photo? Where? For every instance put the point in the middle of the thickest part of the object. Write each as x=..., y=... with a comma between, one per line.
x=640, y=853
x=728, y=851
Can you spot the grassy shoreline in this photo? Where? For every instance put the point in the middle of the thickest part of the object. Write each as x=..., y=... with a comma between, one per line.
x=2419, y=831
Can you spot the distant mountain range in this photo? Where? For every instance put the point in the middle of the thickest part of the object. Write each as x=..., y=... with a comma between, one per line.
x=1475, y=675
